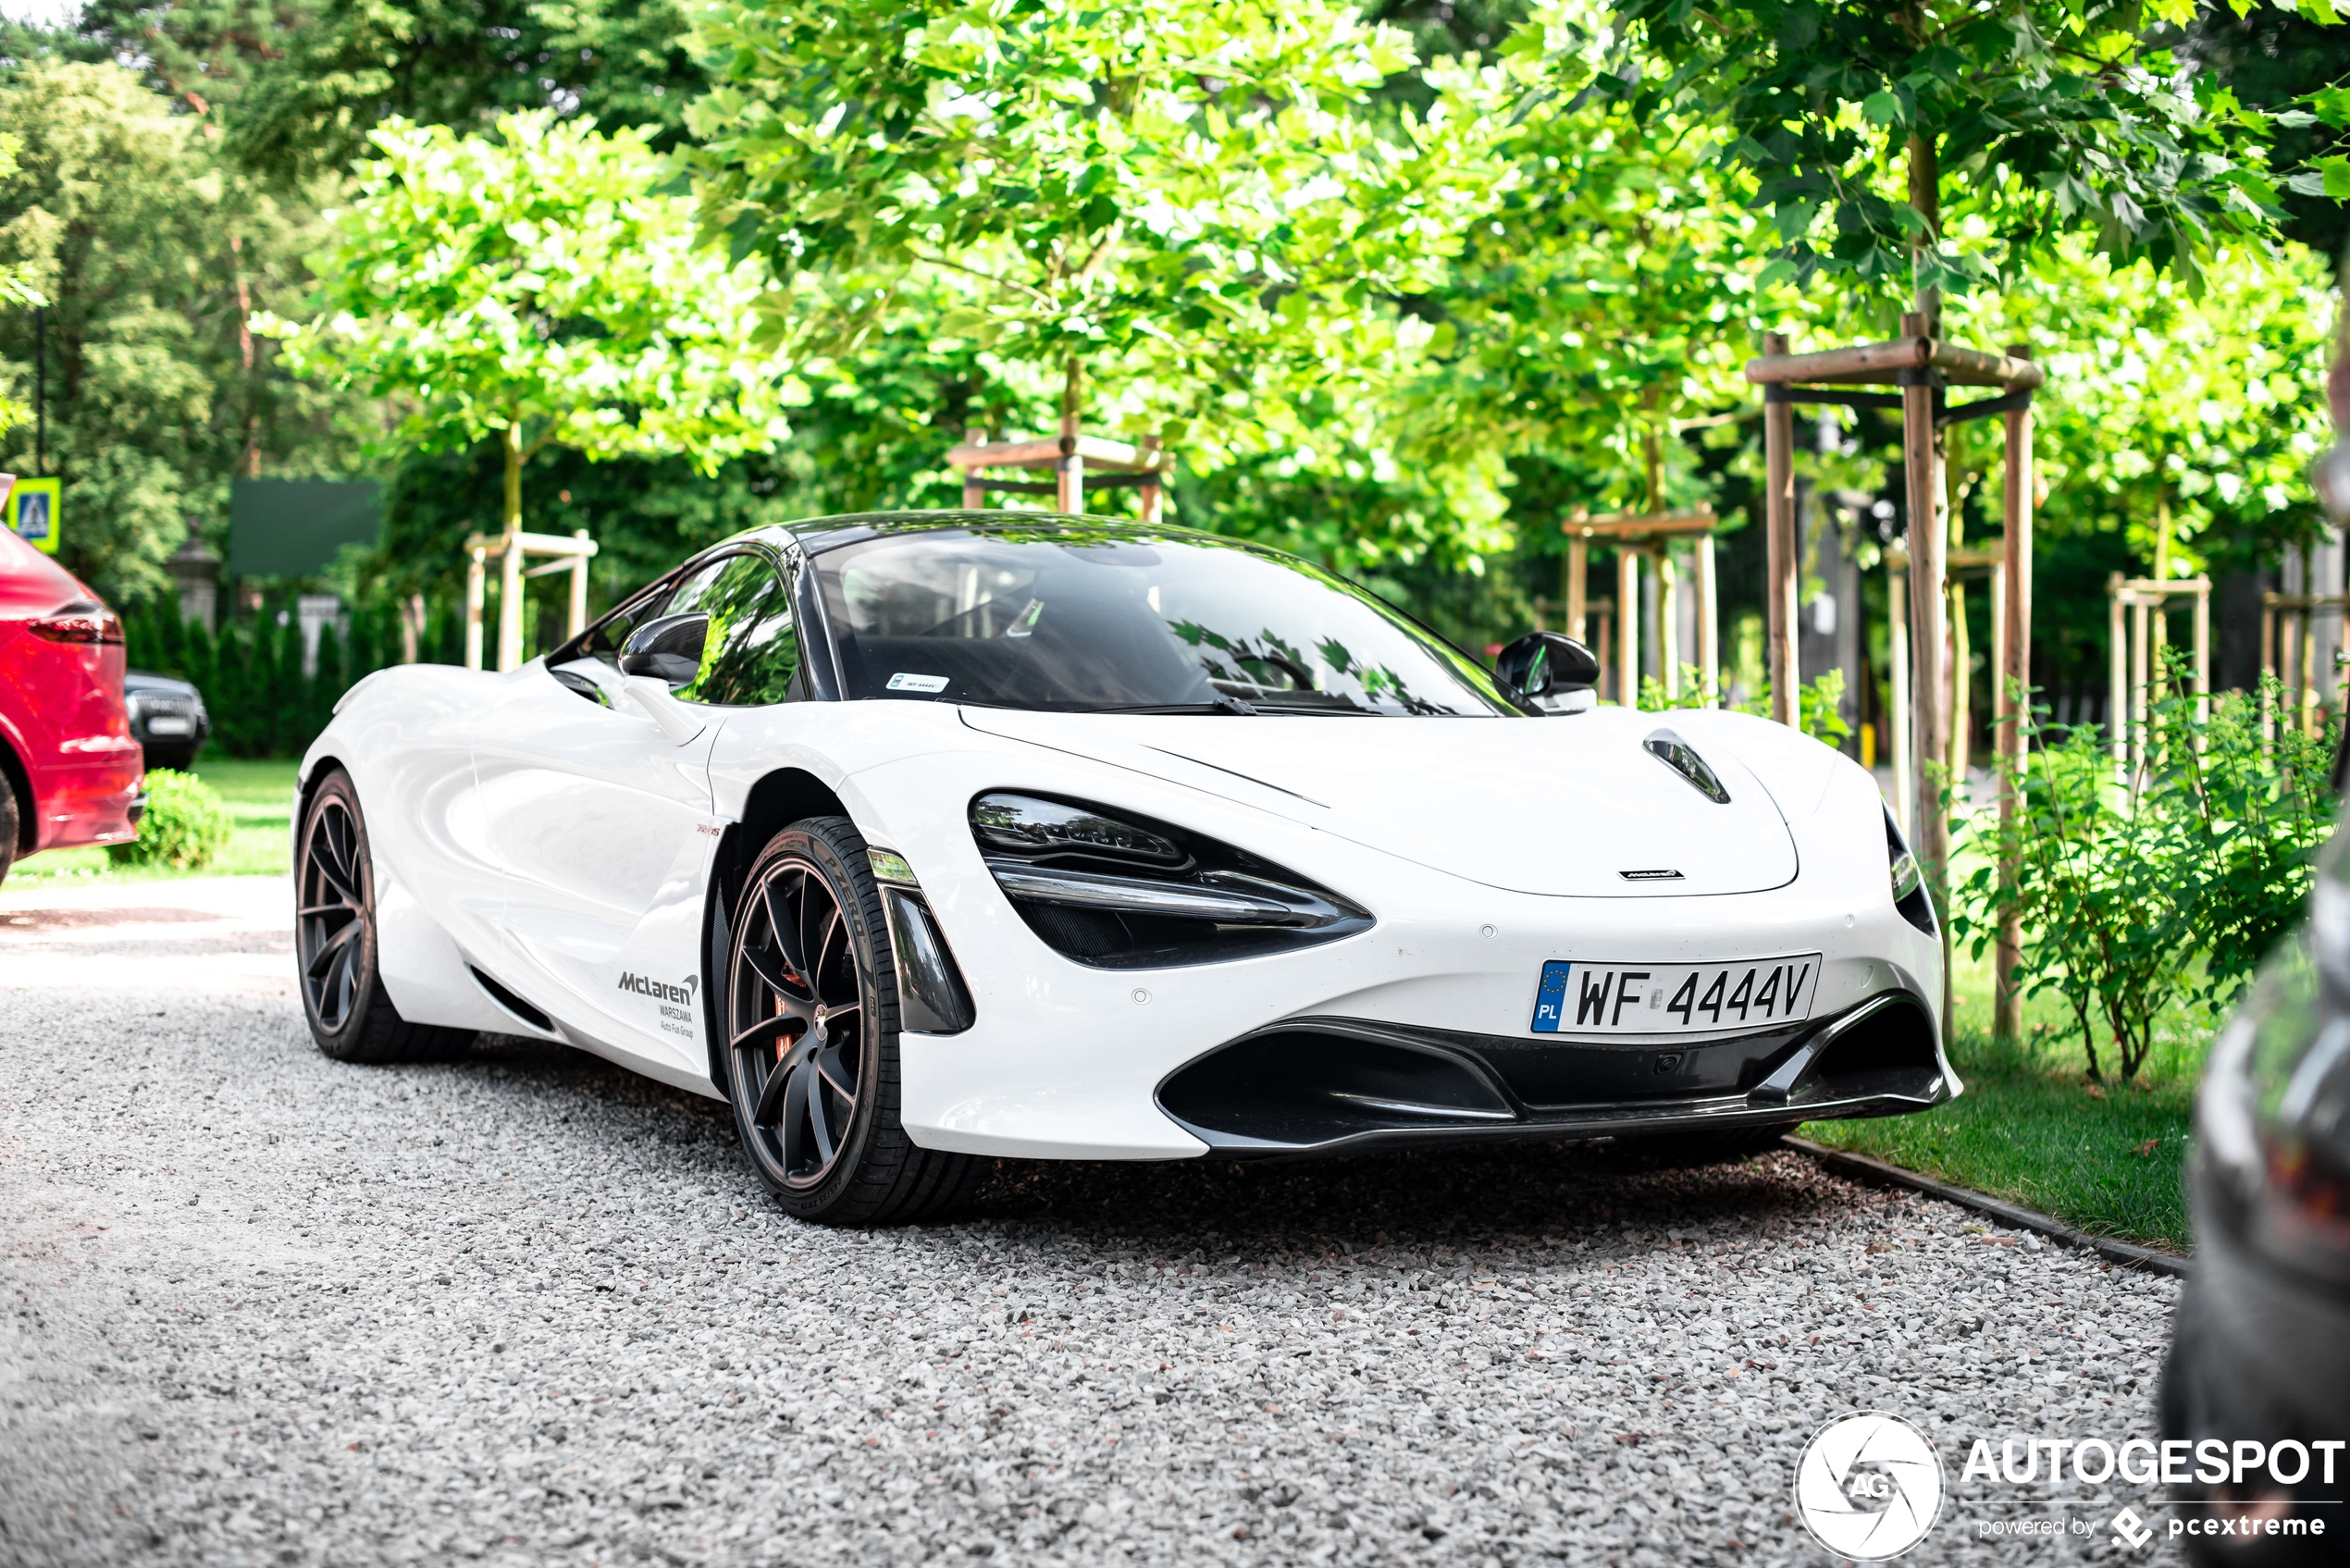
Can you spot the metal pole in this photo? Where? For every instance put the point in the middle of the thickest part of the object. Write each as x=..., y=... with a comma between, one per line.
x=1779, y=569
x=40, y=392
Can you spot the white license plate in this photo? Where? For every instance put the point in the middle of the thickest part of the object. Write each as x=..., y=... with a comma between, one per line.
x=1575, y=998
x=170, y=724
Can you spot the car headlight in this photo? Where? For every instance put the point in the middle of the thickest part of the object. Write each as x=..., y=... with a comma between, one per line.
x=1908, y=885
x=1117, y=891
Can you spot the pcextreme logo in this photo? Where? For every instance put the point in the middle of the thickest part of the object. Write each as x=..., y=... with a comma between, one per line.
x=660, y=990
x=1869, y=1486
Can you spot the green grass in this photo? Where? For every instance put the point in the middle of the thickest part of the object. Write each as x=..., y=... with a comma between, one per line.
x=2039, y=1138
x=2031, y=1128
x=259, y=796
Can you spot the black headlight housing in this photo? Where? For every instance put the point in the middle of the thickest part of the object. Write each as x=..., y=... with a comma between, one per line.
x=1909, y=883
x=1117, y=891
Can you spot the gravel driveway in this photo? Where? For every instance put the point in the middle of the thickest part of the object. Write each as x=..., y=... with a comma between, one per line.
x=525, y=1308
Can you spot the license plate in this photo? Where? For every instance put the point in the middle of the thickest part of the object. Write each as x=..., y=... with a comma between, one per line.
x=170, y=724
x=1575, y=998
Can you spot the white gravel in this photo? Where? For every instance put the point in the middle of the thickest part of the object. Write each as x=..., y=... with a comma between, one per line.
x=525, y=1308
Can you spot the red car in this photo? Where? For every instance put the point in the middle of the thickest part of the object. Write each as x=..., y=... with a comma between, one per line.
x=69, y=771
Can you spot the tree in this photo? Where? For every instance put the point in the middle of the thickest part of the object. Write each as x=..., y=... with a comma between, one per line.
x=535, y=288
x=352, y=64
x=1187, y=198
x=147, y=250
x=1871, y=129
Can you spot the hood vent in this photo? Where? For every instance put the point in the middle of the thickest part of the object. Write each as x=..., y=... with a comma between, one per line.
x=1682, y=757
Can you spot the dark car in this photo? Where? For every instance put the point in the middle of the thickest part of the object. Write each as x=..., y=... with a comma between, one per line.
x=168, y=718
x=69, y=769
x=2258, y=1378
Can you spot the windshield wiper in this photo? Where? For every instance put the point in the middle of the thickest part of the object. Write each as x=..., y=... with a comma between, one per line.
x=1222, y=704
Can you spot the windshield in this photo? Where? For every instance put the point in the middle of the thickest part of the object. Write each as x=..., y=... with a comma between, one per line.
x=1129, y=620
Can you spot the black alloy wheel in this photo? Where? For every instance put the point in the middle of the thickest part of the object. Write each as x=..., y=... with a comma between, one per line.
x=343, y=993
x=811, y=1014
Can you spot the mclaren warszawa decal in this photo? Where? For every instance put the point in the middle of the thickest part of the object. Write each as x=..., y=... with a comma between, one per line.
x=676, y=1001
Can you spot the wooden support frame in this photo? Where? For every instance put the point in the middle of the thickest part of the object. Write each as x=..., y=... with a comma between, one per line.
x=1633, y=534
x=2134, y=623
x=1920, y=366
x=1070, y=458
x=572, y=553
x=2289, y=643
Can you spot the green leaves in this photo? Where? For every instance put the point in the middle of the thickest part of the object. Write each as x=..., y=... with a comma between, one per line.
x=537, y=280
x=2204, y=855
x=2010, y=129
x=1190, y=198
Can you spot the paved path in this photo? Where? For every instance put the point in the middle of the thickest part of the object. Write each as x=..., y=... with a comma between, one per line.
x=523, y=1308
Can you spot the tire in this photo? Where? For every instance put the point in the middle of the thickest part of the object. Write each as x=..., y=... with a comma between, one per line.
x=342, y=993
x=810, y=1013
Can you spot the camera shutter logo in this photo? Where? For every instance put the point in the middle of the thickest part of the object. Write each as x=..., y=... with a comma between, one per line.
x=1869, y=1486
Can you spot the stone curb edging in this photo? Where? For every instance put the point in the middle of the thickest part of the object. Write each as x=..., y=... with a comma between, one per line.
x=1869, y=1169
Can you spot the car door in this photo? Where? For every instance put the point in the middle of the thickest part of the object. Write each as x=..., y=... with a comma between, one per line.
x=605, y=827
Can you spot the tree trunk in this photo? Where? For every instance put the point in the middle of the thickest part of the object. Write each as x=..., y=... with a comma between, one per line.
x=513, y=513
x=510, y=590
x=1926, y=197
x=1070, y=488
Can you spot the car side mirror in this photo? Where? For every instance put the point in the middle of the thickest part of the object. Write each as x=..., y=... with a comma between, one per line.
x=667, y=649
x=1547, y=664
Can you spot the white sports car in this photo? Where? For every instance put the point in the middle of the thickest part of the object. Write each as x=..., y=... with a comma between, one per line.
x=923, y=838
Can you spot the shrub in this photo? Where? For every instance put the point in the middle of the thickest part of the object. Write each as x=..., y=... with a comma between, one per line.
x=186, y=826
x=2121, y=889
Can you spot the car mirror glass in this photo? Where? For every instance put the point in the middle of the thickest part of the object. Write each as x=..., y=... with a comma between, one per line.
x=1545, y=663
x=668, y=650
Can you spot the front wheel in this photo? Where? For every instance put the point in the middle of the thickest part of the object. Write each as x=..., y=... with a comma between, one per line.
x=343, y=993
x=811, y=1020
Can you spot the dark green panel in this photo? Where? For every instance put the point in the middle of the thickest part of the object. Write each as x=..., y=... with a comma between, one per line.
x=292, y=527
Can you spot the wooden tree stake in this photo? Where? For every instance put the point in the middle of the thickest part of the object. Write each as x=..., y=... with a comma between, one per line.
x=2014, y=695
x=1778, y=518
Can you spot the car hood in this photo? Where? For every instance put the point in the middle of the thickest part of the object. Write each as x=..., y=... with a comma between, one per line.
x=1563, y=806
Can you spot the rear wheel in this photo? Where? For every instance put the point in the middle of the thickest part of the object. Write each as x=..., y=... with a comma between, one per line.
x=811, y=1020
x=343, y=993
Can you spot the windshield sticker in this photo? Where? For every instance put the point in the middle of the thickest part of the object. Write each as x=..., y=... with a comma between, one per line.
x=905, y=682
x=1026, y=624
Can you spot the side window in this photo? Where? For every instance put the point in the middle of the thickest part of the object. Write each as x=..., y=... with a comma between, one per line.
x=608, y=636
x=752, y=651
